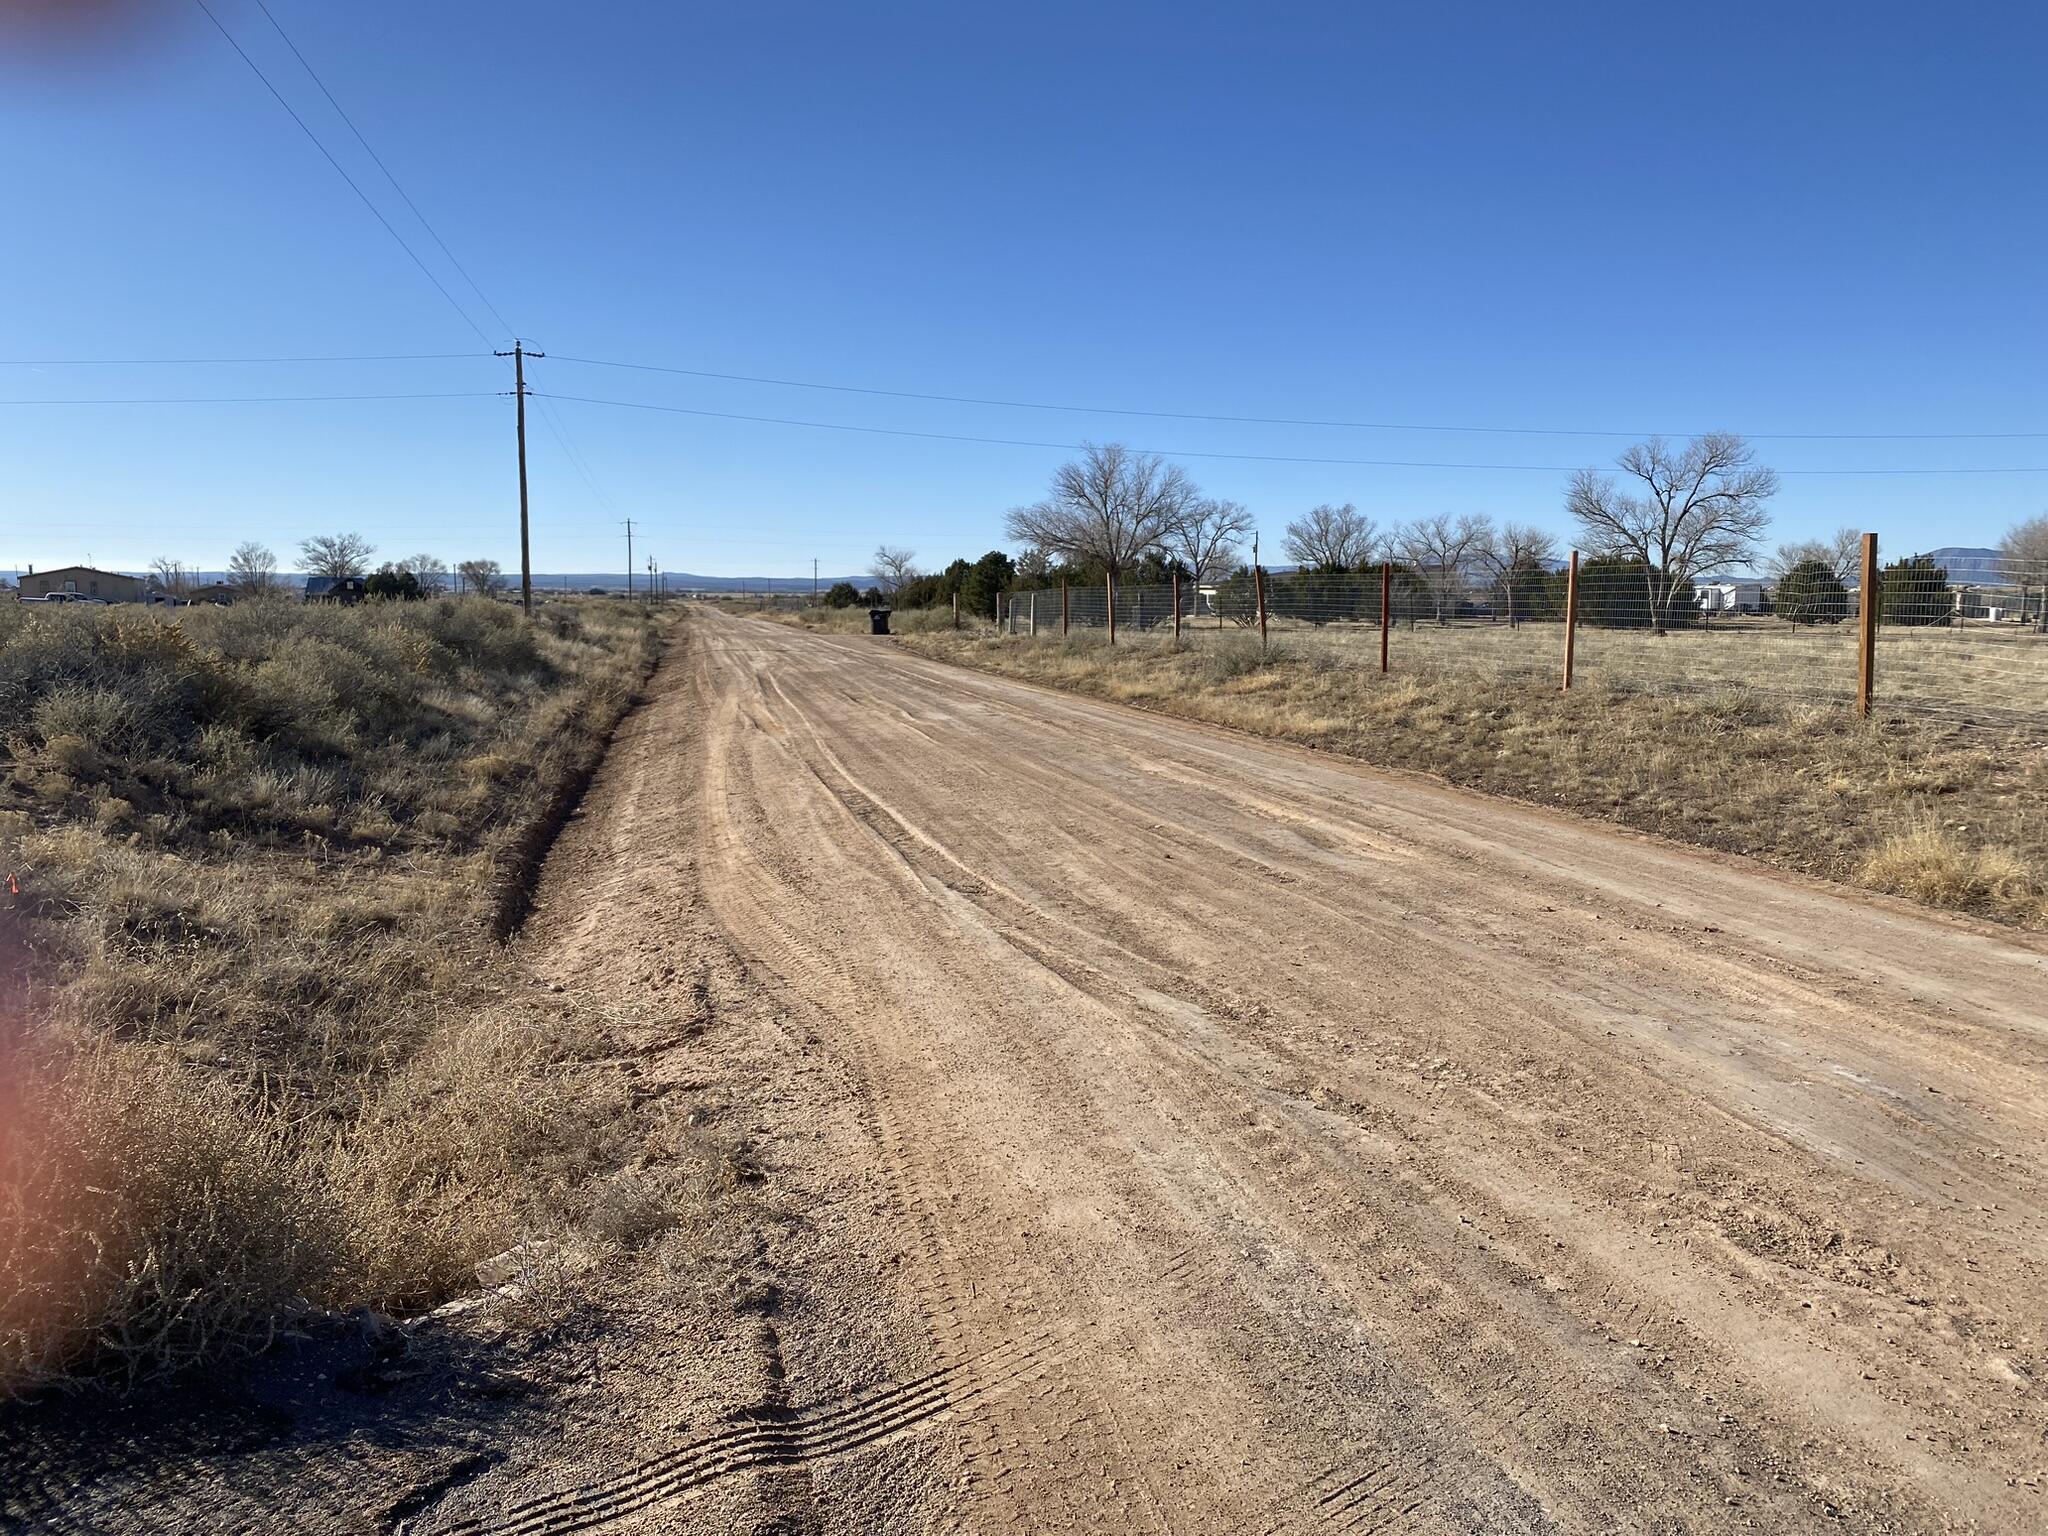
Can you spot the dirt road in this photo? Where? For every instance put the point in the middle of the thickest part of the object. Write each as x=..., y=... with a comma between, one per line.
x=1238, y=1141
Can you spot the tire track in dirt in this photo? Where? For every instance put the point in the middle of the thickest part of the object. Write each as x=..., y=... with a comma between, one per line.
x=1506, y=1268
x=784, y=914
x=798, y=1438
x=1006, y=1453
x=1529, y=1390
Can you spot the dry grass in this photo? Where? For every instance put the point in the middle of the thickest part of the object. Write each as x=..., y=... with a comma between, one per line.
x=247, y=998
x=1803, y=785
x=1931, y=864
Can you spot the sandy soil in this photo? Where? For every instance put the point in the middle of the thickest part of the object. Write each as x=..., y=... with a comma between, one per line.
x=1178, y=1132
x=1260, y=1143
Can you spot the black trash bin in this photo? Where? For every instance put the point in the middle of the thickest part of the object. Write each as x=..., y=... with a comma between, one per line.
x=878, y=621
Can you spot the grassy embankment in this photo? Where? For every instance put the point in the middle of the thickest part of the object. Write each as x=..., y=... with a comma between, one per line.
x=1953, y=816
x=251, y=1062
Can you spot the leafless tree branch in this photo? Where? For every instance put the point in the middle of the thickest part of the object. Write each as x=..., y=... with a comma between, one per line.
x=1697, y=509
x=1110, y=507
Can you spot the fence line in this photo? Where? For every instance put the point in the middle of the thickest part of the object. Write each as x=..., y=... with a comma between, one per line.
x=1963, y=638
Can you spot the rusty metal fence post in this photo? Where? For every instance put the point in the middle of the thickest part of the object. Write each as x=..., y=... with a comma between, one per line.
x=1571, y=616
x=1866, y=623
x=1386, y=607
x=1259, y=584
x=1109, y=591
x=1031, y=616
x=1176, y=607
x=1063, y=607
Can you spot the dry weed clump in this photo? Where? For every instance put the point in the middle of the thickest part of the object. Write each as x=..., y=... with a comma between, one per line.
x=253, y=854
x=1803, y=785
x=149, y=1219
x=1931, y=863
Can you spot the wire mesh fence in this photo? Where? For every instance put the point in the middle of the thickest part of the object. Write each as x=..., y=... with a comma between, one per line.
x=1967, y=642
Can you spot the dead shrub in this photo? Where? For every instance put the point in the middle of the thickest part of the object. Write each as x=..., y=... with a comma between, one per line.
x=251, y=876
x=1929, y=863
x=148, y=1220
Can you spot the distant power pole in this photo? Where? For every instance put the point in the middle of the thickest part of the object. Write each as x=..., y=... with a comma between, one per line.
x=629, y=557
x=519, y=355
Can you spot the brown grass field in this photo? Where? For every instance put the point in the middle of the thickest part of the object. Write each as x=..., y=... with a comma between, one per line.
x=255, y=1065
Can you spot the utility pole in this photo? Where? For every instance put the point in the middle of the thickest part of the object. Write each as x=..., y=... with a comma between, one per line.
x=650, y=578
x=629, y=558
x=519, y=355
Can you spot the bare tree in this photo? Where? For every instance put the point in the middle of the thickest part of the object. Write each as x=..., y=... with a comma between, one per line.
x=479, y=576
x=1331, y=538
x=1443, y=550
x=893, y=568
x=337, y=555
x=171, y=576
x=430, y=571
x=1842, y=554
x=1697, y=509
x=1513, y=552
x=252, y=568
x=1207, y=538
x=2027, y=541
x=1110, y=507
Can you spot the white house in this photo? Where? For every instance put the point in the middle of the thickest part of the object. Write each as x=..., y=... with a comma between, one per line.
x=1730, y=597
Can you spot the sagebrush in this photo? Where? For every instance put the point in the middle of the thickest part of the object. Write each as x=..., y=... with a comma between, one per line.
x=252, y=1063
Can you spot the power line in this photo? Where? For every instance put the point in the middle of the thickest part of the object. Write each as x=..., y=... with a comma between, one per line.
x=459, y=394
x=375, y=211
x=559, y=430
x=1257, y=458
x=379, y=159
x=1281, y=421
x=147, y=362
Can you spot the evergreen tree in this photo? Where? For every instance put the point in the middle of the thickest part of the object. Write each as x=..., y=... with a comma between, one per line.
x=1915, y=591
x=1811, y=593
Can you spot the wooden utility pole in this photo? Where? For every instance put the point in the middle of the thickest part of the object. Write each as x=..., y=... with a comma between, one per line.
x=1571, y=615
x=1867, y=601
x=1386, y=607
x=519, y=355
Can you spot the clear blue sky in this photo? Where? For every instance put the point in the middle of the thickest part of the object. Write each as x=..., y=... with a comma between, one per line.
x=1769, y=219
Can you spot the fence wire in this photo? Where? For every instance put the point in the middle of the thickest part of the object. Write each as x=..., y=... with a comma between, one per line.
x=1966, y=641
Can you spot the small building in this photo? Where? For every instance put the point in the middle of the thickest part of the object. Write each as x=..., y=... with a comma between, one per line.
x=336, y=589
x=1731, y=597
x=219, y=593
x=86, y=581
